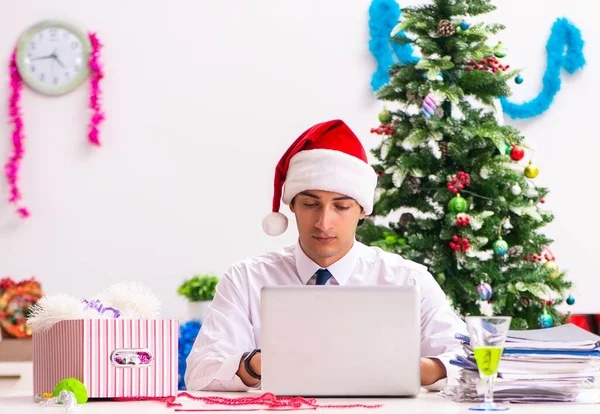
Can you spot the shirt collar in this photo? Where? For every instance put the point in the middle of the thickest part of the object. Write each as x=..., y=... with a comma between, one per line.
x=340, y=270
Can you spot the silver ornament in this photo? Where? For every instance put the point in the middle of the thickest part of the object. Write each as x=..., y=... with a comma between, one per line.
x=67, y=398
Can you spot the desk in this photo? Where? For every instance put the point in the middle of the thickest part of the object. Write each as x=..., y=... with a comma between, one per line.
x=424, y=403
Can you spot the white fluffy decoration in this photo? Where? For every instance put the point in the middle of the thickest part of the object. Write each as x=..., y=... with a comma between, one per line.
x=55, y=308
x=134, y=300
x=275, y=224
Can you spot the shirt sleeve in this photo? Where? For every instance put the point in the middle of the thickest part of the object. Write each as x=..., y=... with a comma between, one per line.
x=439, y=324
x=226, y=333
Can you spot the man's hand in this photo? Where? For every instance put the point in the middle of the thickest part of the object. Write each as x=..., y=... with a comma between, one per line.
x=255, y=366
x=432, y=370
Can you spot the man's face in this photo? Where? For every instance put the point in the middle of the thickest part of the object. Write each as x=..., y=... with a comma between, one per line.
x=326, y=223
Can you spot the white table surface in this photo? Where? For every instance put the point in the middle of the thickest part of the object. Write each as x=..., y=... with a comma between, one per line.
x=424, y=403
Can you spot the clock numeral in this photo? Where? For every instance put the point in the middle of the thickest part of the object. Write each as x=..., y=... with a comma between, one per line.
x=52, y=32
x=74, y=45
x=77, y=68
x=32, y=45
x=42, y=77
x=67, y=75
x=55, y=81
x=41, y=35
x=33, y=68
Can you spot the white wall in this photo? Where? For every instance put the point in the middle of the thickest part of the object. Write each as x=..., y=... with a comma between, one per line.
x=202, y=98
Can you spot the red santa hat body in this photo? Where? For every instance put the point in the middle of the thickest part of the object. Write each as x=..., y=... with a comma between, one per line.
x=328, y=157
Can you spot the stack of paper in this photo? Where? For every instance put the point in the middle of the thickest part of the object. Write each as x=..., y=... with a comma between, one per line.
x=559, y=364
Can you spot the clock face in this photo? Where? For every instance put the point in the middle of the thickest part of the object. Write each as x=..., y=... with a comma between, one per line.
x=53, y=57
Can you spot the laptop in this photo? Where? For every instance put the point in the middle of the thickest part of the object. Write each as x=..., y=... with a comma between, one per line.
x=341, y=341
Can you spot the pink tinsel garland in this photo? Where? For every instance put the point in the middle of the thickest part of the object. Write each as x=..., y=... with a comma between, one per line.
x=96, y=76
x=12, y=167
x=268, y=400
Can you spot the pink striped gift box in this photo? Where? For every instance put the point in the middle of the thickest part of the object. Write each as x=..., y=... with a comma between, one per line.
x=112, y=357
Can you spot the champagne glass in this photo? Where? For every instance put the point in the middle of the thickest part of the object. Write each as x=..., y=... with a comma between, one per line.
x=488, y=335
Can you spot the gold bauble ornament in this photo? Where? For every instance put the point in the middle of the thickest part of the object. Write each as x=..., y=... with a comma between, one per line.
x=531, y=171
x=551, y=265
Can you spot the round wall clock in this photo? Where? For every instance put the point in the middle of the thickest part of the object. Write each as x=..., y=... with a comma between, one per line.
x=52, y=57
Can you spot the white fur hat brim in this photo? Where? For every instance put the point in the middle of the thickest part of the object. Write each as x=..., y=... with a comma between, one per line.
x=330, y=170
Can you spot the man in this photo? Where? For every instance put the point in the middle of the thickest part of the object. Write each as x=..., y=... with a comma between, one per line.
x=329, y=186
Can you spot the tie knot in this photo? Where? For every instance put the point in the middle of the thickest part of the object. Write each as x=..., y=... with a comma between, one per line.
x=323, y=276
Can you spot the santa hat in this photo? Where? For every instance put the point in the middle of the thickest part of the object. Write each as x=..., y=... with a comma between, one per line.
x=328, y=157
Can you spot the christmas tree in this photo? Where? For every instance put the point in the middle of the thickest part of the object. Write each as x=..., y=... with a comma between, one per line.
x=460, y=181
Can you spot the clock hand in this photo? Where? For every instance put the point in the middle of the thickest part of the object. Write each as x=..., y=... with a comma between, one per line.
x=55, y=57
x=58, y=60
x=42, y=57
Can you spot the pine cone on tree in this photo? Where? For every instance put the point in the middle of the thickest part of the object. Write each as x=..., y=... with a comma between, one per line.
x=413, y=184
x=527, y=302
x=406, y=219
x=446, y=28
x=444, y=148
x=515, y=251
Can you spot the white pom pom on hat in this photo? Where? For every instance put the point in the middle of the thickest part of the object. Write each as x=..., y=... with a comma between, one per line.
x=275, y=224
x=327, y=157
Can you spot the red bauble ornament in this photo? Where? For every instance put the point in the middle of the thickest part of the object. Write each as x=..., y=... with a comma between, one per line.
x=517, y=153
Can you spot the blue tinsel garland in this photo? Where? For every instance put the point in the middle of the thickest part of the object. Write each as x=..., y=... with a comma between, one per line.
x=187, y=335
x=383, y=16
x=564, y=48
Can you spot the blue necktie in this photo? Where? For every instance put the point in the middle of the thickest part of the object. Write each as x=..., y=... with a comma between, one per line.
x=323, y=276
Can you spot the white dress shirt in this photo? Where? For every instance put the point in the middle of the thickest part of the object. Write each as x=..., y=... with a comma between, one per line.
x=232, y=325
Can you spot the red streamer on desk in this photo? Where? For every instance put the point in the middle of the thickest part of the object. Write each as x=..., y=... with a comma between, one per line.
x=268, y=400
